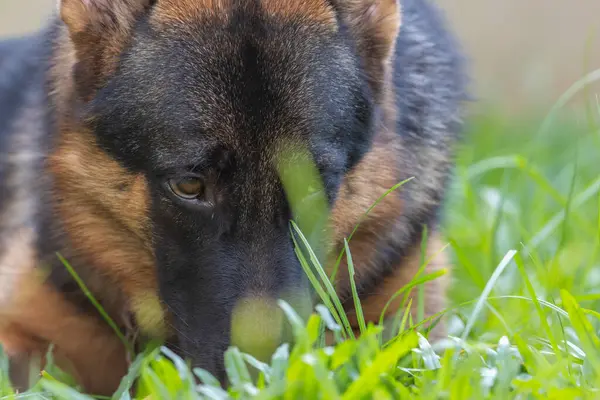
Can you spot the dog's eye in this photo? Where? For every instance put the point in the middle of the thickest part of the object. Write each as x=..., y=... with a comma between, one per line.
x=188, y=188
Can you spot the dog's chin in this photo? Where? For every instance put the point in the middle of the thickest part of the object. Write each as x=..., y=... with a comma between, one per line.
x=208, y=358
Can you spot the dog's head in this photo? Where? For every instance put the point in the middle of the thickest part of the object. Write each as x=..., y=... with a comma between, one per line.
x=212, y=101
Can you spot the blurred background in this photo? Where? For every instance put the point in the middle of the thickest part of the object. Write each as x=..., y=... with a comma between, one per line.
x=524, y=54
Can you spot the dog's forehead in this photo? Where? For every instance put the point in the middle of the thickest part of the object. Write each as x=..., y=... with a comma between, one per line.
x=238, y=59
x=240, y=75
x=168, y=12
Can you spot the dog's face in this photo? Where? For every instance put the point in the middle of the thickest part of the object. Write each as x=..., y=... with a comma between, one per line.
x=202, y=101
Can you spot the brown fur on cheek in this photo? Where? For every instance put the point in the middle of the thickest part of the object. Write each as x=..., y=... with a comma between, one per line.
x=168, y=12
x=372, y=178
x=104, y=210
x=181, y=12
x=310, y=10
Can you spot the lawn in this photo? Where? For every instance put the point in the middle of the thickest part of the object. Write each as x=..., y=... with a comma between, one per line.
x=523, y=226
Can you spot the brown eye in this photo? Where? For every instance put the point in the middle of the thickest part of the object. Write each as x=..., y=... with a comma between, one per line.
x=187, y=188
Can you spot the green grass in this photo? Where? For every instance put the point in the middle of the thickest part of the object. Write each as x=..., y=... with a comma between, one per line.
x=523, y=225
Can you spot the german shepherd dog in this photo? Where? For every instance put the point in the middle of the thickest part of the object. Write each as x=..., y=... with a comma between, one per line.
x=139, y=141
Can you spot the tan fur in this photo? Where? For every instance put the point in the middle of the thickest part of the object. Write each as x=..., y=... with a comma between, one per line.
x=435, y=290
x=60, y=75
x=169, y=12
x=312, y=10
x=375, y=25
x=84, y=345
x=372, y=177
x=373, y=303
x=374, y=21
x=104, y=210
x=36, y=315
x=183, y=11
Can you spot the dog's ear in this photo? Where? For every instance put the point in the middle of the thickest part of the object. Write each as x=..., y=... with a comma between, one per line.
x=99, y=31
x=375, y=25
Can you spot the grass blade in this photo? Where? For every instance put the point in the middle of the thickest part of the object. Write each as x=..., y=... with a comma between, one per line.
x=384, y=361
x=590, y=342
x=359, y=312
x=330, y=289
x=236, y=368
x=96, y=304
x=360, y=221
x=486, y=291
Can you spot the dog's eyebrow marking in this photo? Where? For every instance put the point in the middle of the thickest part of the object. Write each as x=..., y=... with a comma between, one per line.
x=182, y=11
x=314, y=10
x=169, y=12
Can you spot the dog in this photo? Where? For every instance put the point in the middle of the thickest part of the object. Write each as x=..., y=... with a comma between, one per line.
x=141, y=142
